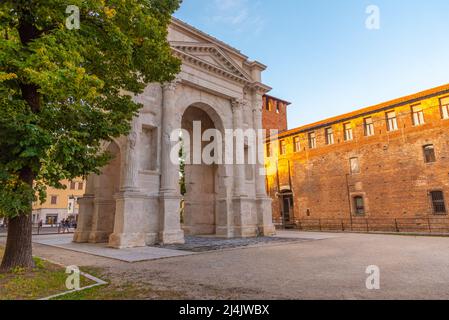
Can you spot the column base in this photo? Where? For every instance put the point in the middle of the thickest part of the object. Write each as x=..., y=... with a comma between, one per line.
x=172, y=237
x=245, y=232
x=99, y=237
x=225, y=232
x=265, y=216
x=127, y=240
x=85, y=216
x=132, y=220
x=151, y=239
x=170, y=219
x=267, y=231
x=81, y=236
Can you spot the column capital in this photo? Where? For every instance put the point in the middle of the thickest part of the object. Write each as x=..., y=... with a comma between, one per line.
x=172, y=85
x=258, y=101
x=257, y=110
x=238, y=104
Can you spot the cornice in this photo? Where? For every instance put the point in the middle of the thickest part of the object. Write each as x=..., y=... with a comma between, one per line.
x=186, y=57
x=194, y=47
x=259, y=87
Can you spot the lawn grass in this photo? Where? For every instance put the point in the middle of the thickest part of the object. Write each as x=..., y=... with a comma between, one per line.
x=44, y=280
x=127, y=290
x=48, y=279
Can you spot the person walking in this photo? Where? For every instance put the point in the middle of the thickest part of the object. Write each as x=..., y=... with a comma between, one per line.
x=39, y=226
x=61, y=226
x=67, y=226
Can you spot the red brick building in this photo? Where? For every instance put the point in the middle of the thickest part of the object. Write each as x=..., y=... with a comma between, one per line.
x=383, y=168
x=274, y=116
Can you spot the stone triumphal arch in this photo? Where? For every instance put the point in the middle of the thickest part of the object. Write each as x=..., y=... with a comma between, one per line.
x=135, y=201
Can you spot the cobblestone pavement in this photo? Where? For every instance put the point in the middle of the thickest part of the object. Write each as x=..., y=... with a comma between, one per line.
x=204, y=244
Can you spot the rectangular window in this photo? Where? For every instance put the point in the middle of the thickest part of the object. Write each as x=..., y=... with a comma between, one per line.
x=417, y=115
x=270, y=104
x=51, y=219
x=429, y=153
x=437, y=197
x=355, y=167
x=368, y=126
x=329, y=136
x=54, y=199
x=444, y=102
x=312, y=140
x=80, y=185
x=359, y=205
x=392, y=121
x=348, y=132
x=282, y=147
x=278, y=107
x=297, y=144
x=268, y=150
x=72, y=185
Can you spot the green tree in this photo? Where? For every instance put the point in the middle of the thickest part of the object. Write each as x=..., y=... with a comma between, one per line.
x=64, y=90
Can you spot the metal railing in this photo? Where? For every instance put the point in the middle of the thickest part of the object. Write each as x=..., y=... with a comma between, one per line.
x=427, y=225
x=45, y=229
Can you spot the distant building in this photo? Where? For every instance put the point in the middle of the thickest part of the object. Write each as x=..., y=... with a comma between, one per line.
x=388, y=162
x=274, y=114
x=60, y=204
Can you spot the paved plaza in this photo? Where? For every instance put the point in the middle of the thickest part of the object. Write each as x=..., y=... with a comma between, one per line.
x=313, y=266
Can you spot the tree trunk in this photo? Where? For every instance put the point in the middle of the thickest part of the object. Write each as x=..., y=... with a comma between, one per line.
x=18, y=252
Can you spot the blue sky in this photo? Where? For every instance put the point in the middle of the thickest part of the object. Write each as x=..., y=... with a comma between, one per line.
x=320, y=55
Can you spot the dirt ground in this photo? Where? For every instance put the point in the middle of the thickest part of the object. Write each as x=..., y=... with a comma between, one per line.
x=335, y=268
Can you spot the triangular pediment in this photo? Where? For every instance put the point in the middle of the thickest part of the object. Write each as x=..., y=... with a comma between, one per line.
x=211, y=57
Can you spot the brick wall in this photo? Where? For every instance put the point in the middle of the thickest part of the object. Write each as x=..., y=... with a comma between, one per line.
x=274, y=115
x=394, y=180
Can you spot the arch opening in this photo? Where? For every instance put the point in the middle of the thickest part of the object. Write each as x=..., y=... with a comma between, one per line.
x=106, y=186
x=200, y=179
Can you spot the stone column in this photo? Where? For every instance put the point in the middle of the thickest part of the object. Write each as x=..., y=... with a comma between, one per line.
x=243, y=224
x=131, y=165
x=170, y=197
x=130, y=229
x=239, y=169
x=260, y=167
x=263, y=202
